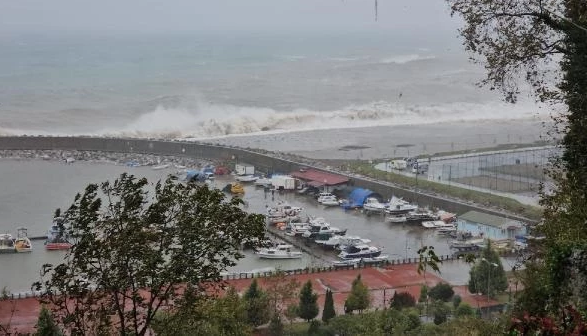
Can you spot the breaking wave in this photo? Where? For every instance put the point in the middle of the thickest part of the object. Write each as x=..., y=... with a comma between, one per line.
x=403, y=59
x=212, y=120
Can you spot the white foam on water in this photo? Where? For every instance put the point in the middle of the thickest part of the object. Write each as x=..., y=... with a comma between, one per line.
x=403, y=59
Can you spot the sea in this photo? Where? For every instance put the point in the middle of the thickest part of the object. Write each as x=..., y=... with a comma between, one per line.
x=208, y=85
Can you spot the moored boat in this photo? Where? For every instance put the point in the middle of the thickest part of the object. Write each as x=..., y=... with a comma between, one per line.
x=281, y=251
x=7, y=243
x=360, y=251
x=22, y=243
x=372, y=205
x=56, y=237
x=396, y=218
x=246, y=178
x=237, y=188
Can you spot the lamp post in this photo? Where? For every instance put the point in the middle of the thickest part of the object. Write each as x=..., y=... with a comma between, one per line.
x=489, y=275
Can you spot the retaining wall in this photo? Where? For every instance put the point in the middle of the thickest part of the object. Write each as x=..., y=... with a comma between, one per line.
x=262, y=162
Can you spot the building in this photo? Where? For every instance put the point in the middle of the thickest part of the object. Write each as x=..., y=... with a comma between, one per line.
x=320, y=179
x=491, y=226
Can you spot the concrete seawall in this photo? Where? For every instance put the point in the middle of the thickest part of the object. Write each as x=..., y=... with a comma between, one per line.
x=262, y=162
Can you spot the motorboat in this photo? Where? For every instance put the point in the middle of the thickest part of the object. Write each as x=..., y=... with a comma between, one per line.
x=397, y=206
x=446, y=231
x=6, y=243
x=373, y=205
x=283, y=213
x=56, y=237
x=397, y=218
x=319, y=225
x=296, y=228
x=459, y=244
x=22, y=243
x=436, y=224
x=325, y=195
x=330, y=201
x=322, y=238
x=281, y=251
x=360, y=251
x=417, y=217
x=246, y=178
x=342, y=242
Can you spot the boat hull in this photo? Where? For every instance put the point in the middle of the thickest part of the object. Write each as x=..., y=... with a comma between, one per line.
x=57, y=246
x=291, y=255
x=7, y=250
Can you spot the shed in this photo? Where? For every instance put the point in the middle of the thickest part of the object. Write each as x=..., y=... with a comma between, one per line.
x=491, y=226
x=358, y=197
x=318, y=178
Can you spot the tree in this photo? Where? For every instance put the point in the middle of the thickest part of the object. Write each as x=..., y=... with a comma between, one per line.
x=442, y=291
x=280, y=290
x=464, y=310
x=275, y=326
x=456, y=301
x=402, y=300
x=423, y=294
x=308, y=306
x=136, y=248
x=544, y=42
x=291, y=313
x=359, y=298
x=257, y=305
x=46, y=325
x=440, y=312
x=488, y=274
x=328, y=311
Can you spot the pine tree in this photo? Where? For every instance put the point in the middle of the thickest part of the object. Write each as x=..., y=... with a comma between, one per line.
x=359, y=298
x=46, y=325
x=328, y=311
x=257, y=305
x=308, y=307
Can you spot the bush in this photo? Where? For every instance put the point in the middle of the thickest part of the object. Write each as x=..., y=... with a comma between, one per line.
x=442, y=292
x=402, y=300
x=464, y=310
x=456, y=301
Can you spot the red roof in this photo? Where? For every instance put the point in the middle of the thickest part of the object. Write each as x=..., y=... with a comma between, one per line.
x=321, y=177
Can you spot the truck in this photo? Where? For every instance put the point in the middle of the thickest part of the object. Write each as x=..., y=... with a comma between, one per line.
x=283, y=182
x=244, y=169
x=399, y=164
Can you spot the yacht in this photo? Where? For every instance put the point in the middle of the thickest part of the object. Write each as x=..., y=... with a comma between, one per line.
x=354, y=262
x=22, y=243
x=6, y=243
x=283, y=213
x=397, y=218
x=342, y=242
x=417, y=217
x=398, y=206
x=56, y=237
x=294, y=228
x=329, y=201
x=360, y=251
x=281, y=251
x=319, y=225
x=436, y=224
x=446, y=231
x=373, y=205
x=325, y=195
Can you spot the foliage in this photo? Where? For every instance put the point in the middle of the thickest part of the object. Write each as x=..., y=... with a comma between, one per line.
x=442, y=291
x=291, y=313
x=328, y=312
x=428, y=259
x=488, y=274
x=351, y=325
x=569, y=322
x=394, y=322
x=308, y=306
x=128, y=238
x=280, y=290
x=456, y=301
x=403, y=300
x=464, y=309
x=440, y=312
x=202, y=315
x=46, y=325
x=314, y=327
x=423, y=294
x=359, y=297
x=275, y=326
x=257, y=305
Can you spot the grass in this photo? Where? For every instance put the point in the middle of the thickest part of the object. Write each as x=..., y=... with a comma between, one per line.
x=481, y=198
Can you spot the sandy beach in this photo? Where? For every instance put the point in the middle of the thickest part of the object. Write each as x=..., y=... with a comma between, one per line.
x=396, y=141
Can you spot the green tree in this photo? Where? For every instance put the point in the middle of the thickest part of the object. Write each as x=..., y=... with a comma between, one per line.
x=544, y=43
x=464, y=310
x=400, y=301
x=280, y=290
x=46, y=325
x=442, y=291
x=291, y=313
x=257, y=305
x=359, y=298
x=456, y=301
x=308, y=306
x=130, y=236
x=488, y=274
x=275, y=326
x=328, y=312
x=440, y=312
x=423, y=294
x=395, y=322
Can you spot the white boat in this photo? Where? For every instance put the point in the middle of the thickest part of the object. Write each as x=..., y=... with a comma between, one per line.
x=281, y=251
x=329, y=201
x=360, y=251
x=343, y=242
x=429, y=224
x=178, y=166
x=399, y=218
x=319, y=225
x=354, y=262
x=324, y=196
x=296, y=228
x=246, y=178
x=398, y=206
x=7, y=243
x=373, y=205
x=446, y=231
x=160, y=167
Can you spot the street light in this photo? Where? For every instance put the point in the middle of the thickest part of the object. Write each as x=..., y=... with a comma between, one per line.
x=489, y=275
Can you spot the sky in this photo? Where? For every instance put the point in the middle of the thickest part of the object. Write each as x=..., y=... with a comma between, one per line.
x=400, y=16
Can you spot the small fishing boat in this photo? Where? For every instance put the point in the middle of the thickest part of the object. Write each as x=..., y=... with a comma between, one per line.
x=6, y=243
x=398, y=206
x=330, y=201
x=56, y=237
x=372, y=205
x=324, y=196
x=398, y=218
x=22, y=243
x=237, y=188
x=281, y=251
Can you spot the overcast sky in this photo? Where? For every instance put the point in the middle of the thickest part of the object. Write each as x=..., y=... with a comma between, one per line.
x=406, y=16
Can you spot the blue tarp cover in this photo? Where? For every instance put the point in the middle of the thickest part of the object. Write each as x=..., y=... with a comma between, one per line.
x=358, y=196
x=196, y=175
